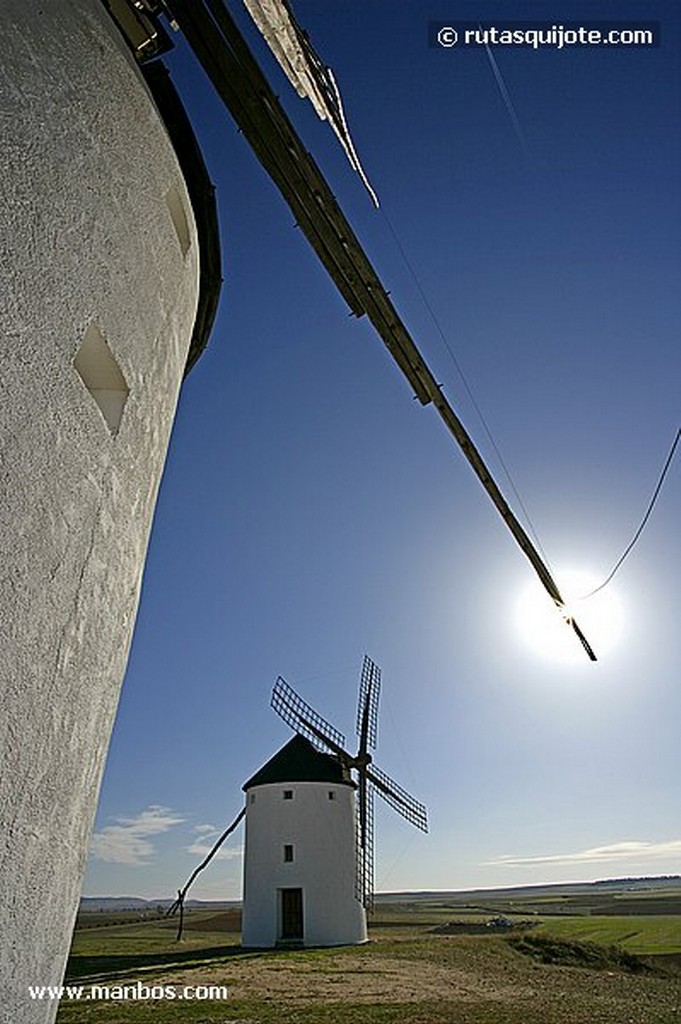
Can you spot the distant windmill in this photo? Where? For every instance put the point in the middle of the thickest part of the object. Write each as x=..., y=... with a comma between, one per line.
x=309, y=866
x=307, y=722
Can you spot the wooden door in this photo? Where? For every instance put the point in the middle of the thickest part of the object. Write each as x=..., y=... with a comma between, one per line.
x=291, y=914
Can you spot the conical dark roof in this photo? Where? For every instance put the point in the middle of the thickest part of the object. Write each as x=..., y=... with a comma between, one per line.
x=299, y=761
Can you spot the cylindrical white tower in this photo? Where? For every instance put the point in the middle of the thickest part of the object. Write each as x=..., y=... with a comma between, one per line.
x=100, y=280
x=300, y=857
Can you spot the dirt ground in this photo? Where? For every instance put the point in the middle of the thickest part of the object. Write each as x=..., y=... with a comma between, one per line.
x=451, y=973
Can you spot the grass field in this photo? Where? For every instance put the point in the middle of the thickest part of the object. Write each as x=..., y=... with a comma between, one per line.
x=646, y=935
x=407, y=974
x=565, y=968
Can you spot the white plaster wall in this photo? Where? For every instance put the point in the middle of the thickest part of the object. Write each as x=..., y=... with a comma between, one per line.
x=85, y=236
x=322, y=833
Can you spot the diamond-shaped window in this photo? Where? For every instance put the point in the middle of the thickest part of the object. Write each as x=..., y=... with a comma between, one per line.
x=102, y=376
x=179, y=218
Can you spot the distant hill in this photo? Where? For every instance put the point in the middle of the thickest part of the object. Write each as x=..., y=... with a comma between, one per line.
x=612, y=885
x=94, y=904
x=656, y=882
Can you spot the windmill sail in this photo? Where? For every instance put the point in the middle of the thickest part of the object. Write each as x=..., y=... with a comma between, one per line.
x=364, y=879
x=304, y=720
x=398, y=798
x=306, y=71
x=367, y=704
x=367, y=728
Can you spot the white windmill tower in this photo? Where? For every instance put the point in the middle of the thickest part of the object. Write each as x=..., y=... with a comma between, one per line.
x=308, y=866
x=105, y=248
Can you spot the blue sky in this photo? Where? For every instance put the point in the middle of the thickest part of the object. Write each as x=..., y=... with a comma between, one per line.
x=312, y=511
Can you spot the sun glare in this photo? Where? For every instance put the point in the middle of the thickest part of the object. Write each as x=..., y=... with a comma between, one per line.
x=544, y=629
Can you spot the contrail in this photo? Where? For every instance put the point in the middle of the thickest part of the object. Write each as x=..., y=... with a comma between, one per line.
x=506, y=97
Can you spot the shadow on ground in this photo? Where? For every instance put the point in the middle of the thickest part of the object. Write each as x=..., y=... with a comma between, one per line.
x=94, y=966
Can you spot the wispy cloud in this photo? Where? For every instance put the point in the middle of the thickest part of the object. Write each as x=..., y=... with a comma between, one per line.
x=207, y=836
x=206, y=830
x=629, y=849
x=127, y=842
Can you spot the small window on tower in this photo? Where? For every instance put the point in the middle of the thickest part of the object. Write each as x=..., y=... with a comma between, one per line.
x=332, y=795
x=179, y=219
x=288, y=853
x=96, y=366
x=288, y=794
x=252, y=798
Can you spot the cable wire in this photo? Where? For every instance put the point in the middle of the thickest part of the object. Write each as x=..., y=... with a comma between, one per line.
x=645, y=519
x=467, y=387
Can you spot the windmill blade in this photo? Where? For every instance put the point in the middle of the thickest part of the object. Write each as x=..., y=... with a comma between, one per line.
x=362, y=807
x=398, y=798
x=302, y=719
x=367, y=703
x=364, y=874
x=223, y=53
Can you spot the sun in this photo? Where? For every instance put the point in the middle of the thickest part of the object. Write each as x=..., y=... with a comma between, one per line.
x=543, y=628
